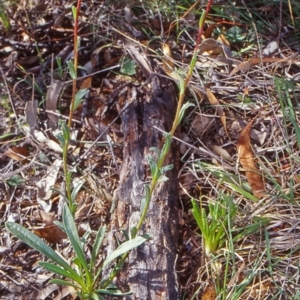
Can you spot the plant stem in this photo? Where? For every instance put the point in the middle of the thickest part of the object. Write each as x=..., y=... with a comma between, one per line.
x=66, y=146
x=166, y=150
x=191, y=66
x=75, y=62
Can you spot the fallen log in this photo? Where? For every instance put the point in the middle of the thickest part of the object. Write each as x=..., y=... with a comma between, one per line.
x=150, y=270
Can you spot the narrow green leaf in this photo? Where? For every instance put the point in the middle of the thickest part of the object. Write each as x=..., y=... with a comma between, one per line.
x=61, y=139
x=97, y=244
x=145, y=200
x=64, y=282
x=166, y=169
x=153, y=166
x=35, y=242
x=79, y=97
x=72, y=233
x=96, y=297
x=143, y=204
x=243, y=192
x=60, y=271
x=155, y=150
x=78, y=263
x=166, y=147
x=249, y=229
x=75, y=191
x=163, y=178
x=74, y=12
x=71, y=69
x=184, y=107
x=125, y=247
x=181, y=85
x=66, y=131
x=113, y=293
x=133, y=232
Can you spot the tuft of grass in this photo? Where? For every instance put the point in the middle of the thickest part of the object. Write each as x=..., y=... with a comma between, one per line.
x=214, y=224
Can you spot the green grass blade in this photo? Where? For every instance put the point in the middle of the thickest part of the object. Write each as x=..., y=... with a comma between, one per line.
x=243, y=192
x=200, y=218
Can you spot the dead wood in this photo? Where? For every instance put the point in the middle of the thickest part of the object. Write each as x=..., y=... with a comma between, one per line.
x=150, y=269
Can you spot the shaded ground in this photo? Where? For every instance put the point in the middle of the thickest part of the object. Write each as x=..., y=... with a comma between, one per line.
x=35, y=95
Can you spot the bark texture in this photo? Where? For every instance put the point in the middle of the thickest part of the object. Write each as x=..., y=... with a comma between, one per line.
x=150, y=269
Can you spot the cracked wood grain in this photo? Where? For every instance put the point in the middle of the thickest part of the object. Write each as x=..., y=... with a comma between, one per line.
x=150, y=270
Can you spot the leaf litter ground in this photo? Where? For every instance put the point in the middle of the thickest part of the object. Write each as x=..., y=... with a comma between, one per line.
x=241, y=138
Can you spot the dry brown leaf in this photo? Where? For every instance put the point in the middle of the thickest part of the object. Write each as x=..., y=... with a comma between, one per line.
x=141, y=59
x=210, y=47
x=51, y=233
x=87, y=83
x=168, y=64
x=42, y=139
x=246, y=65
x=47, y=218
x=210, y=293
x=28, y=61
x=201, y=124
x=222, y=39
x=246, y=159
x=58, y=21
x=156, y=23
x=10, y=60
x=17, y=153
x=214, y=101
x=94, y=61
x=129, y=16
x=215, y=53
x=66, y=291
x=45, y=184
x=209, y=31
x=271, y=48
x=53, y=94
x=221, y=152
x=64, y=53
x=31, y=113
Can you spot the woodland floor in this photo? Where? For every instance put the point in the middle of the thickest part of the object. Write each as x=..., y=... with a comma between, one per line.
x=248, y=70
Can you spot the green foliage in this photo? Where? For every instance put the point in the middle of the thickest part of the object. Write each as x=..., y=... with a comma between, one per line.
x=71, y=69
x=236, y=34
x=79, y=97
x=286, y=94
x=64, y=139
x=16, y=180
x=60, y=69
x=215, y=224
x=4, y=18
x=128, y=66
x=84, y=277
